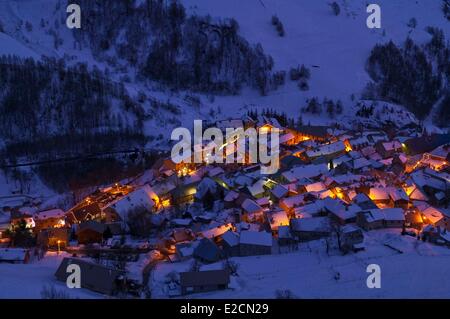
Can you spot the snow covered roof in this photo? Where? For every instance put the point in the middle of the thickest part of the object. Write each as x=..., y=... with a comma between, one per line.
x=347, y=178
x=417, y=194
x=392, y=145
x=286, y=137
x=250, y=206
x=261, y=238
x=357, y=141
x=257, y=188
x=307, y=171
x=360, y=163
x=231, y=196
x=397, y=194
x=231, y=238
x=327, y=149
x=313, y=208
x=421, y=179
x=433, y=214
x=243, y=180
x=378, y=193
x=291, y=202
x=52, y=213
x=393, y=214
x=314, y=224
x=277, y=219
x=144, y=196
x=316, y=187
x=374, y=215
x=216, y=231
x=207, y=184
x=441, y=151
x=279, y=191
x=263, y=201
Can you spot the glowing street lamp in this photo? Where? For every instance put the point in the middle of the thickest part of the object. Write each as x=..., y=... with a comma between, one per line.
x=59, y=246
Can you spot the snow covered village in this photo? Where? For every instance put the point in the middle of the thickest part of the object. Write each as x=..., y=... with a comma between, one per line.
x=87, y=179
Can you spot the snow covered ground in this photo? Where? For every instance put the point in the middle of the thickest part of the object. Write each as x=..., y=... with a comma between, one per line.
x=26, y=281
x=310, y=272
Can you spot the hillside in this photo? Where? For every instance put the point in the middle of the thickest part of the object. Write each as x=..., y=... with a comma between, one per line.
x=200, y=59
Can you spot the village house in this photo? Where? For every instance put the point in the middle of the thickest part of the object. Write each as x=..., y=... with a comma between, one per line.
x=329, y=151
x=351, y=238
x=252, y=210
x=288, y=204
x=436, y=235
x=216, y=233
x=230, y=244
x=388, y=149
x=371, y=219
x=424, y=144
x=306, y=229
x=204, y=281
x=398, y=197
x=252, y=243
x=379, y=195
x=285, y=237
x=143, y=197
x=393, y=217
x=437, y=217
x=316, y=133
x=95, y=277
x=184, y=251
x=276, y=220
x=90, y=232
x=380, y=218
x=54, y=238
x=52, y=218
x=207, y=251
x=23, y=215
x=86, y=210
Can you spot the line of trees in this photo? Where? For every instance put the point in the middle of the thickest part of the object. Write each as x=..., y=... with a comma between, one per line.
x=47, y=108
x=416, y=76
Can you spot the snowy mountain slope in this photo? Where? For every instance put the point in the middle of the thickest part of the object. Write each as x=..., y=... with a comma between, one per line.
x=335, y=48
x=339, y=45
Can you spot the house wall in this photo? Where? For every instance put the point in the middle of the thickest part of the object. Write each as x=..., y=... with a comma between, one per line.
x=254, y=250
x=393, y=223
x=363, y=223
x=307, y=236
x=230, y=251
x=88, y=236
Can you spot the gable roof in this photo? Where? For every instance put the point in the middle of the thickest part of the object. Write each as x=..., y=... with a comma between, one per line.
x=207, y=250
x=313, y=224
x=261, y=238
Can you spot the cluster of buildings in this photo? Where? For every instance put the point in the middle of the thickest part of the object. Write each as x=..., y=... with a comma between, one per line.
x=332, y=183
